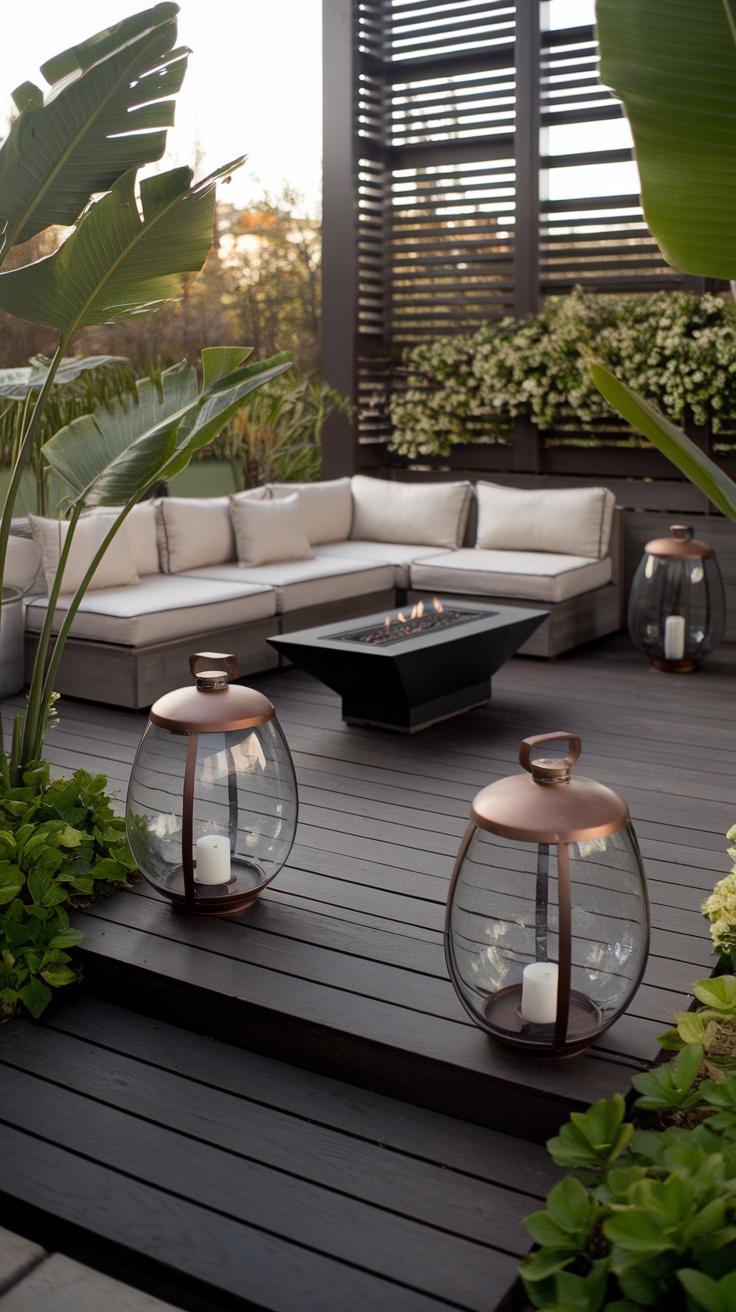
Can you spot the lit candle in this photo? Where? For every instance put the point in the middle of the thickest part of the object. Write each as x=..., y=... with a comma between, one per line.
x=213, y=859
x=539, y=992
x=674, y=638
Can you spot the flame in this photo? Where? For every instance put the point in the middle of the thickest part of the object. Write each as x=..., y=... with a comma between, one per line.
x=387, y=622
x=401, y=618
x=437, y=605
x=417, y=611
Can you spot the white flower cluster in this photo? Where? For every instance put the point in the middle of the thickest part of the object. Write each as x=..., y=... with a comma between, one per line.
x=677, y=349
x=720, y=907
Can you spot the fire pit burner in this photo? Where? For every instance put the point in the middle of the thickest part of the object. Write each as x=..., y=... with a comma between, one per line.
x=413, y=626
x=407, y=681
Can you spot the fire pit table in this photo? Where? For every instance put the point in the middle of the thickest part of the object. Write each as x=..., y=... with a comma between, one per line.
x=409, y=668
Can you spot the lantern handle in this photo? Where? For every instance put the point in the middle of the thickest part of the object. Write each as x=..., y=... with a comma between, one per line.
x=214, y=660
x=555, y=766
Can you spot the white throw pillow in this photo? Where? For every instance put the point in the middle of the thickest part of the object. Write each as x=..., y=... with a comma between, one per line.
x=193, y=532
x=116, y=568
x=572, y=521
x=268, y=531
x=415, y=514
x=327, y=508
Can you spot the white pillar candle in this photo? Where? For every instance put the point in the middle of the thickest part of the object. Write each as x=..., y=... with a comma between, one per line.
x=674, y=638
x=539, y=992
x=213, y=859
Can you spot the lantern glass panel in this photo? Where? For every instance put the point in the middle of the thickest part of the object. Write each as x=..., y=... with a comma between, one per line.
x=244, y=791
x=504, y=915
x=663, y=588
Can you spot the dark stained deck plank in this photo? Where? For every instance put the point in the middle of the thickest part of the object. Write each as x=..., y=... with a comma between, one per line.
x=351, y=1198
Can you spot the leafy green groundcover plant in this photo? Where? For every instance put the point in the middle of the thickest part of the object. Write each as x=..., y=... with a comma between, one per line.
x=646, y=1219
x=61, y=845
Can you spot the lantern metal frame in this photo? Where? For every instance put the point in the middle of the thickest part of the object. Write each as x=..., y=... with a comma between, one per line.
x=680, y=553
x=554, y=814
x=210, y=706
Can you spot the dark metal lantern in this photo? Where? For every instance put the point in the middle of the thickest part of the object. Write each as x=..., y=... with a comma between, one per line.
x=212, y=801
x=547, y=926
x=676, y=607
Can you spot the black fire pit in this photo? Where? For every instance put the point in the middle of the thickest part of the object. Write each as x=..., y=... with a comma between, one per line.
x=403, y=671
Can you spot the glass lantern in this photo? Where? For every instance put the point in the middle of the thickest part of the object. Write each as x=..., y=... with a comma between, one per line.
x=547, y=927
x=676, y=608
x=212, y=801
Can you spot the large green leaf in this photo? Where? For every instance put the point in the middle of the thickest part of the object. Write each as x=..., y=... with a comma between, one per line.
x=107, y=112
x=115, y=454
x=689, y=459
x=15, y=384
x=673, y=63
x=118, y=261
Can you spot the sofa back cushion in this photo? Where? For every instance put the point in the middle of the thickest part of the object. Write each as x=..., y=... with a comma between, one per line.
x=572, y=521
x=117, y=567
x=140, y=527
x=326, y=508
x=193, y=532
x=269, y=530
x=415, y=514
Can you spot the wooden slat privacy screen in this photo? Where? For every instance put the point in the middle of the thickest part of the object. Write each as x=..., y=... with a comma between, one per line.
x=445, y=126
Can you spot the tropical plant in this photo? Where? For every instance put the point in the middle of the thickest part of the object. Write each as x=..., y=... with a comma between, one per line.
x=673, y=64
x=276, y=435
x=80, y=385
x=127, y=252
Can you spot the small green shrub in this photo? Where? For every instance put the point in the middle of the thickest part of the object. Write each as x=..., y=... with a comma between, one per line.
x=61, y=845
x=646, y=1219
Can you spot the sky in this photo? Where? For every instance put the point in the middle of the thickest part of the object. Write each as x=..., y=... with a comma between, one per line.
x=253, y=86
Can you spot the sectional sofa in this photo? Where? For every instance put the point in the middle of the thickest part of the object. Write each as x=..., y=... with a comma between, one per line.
x=225, y=573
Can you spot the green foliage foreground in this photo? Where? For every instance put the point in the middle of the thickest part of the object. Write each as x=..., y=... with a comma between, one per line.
x=61, y=845
x=646, y=1219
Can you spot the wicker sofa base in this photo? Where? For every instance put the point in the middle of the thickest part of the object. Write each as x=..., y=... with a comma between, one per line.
x=135, y=676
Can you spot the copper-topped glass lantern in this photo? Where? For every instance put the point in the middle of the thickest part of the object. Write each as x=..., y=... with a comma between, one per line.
x=212, y=801
x=676, y=608
x=547, y=927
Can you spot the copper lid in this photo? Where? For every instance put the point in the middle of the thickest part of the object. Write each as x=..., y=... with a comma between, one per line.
x=681, y=546
x=212, y=706
x=548, y=805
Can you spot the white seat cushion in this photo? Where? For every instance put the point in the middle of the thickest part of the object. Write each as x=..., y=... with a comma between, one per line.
x=399, y=555
x=528, y=575
x=299, y=583
x=160, y=607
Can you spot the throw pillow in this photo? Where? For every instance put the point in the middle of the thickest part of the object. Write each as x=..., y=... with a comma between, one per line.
x=268, y=531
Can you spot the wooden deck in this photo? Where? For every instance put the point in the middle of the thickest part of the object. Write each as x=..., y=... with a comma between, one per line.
x=291, y=1109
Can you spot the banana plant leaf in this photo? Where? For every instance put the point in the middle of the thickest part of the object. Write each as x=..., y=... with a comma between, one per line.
x=673, y=64
x=15, y=384
x=117, y=261
x=106, y=113
x=115, y=454
x=689, y=459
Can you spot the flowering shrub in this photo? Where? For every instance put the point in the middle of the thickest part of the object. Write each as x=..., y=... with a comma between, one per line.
x=720, y=907
x=677, y=349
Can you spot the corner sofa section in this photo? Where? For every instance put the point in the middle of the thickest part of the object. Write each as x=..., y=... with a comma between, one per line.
x=228, y=572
